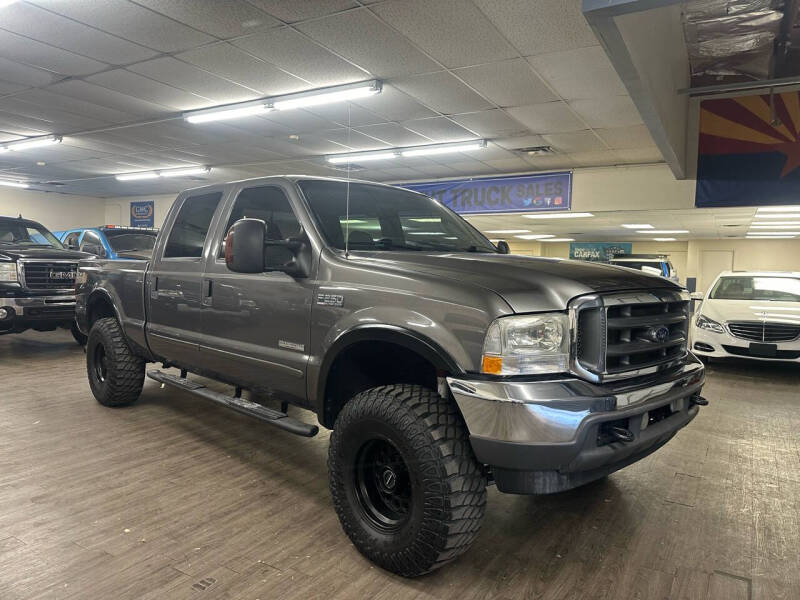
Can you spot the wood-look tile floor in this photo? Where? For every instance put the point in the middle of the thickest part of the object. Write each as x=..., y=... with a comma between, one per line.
x=174, y=498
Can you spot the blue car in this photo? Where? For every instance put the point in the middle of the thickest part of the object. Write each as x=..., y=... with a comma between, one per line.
x=111, y=241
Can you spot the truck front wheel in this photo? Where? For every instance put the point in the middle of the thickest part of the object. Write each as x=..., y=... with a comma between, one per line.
x=407, y=488
x=116, y=374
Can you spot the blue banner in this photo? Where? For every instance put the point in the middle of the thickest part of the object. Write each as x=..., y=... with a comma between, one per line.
x=143, y=213
x=527, y=193
x=598, y=251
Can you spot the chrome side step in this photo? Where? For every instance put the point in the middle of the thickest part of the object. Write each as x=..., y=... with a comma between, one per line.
x=251, y=409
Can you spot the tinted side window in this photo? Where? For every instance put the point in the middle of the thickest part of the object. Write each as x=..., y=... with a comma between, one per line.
x=72, y=239
x=191, y=226
x=270, y=205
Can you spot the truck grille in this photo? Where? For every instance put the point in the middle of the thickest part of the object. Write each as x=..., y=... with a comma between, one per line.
x=759, y=331
x=49, y=275
x=624, y=335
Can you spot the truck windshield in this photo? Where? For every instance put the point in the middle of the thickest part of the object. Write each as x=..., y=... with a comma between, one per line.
x=779, y=289
x=14, y=232
x=141, y=243
x=387, y=218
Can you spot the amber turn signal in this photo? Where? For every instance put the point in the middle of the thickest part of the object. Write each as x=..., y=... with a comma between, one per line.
x=492, y=365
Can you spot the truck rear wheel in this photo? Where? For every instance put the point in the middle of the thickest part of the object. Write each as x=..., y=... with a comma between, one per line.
x=407, y=488
x=116, y=374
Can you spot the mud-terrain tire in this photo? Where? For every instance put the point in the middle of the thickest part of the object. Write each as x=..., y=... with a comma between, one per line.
x=116, y=374
x=77, y=334
x=405, y=483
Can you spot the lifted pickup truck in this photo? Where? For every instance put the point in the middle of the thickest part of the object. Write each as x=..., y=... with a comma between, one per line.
x=439, y=363
x=37, y=279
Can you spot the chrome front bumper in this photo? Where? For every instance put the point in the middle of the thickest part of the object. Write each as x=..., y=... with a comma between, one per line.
x=34, y=303
x=557, y=425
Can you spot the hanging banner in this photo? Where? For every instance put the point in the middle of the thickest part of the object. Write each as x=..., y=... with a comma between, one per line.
x=527, y=193
x=749, y=151
x=143, y=213
x=598, y=251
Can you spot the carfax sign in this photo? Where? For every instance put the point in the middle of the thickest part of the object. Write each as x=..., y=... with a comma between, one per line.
x=527, y=193
x=598, y=251
x=143, y=214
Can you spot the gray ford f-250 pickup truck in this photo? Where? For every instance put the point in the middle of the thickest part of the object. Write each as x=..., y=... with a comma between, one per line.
x=438, y=362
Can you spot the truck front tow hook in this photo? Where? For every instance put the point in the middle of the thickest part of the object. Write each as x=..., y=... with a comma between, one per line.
x=700, y=401
x=622, y=434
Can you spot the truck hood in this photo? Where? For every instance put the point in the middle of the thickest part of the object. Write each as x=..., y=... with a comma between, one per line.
x=527, y=284
x=751, y=310
x=17, y=252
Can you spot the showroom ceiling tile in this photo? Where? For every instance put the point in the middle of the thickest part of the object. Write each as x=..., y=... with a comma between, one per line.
x=220, y=19
x=22, y=126
x=55, y=119
x=294, y=10
x=36, y=54
x=439, y=129
x=131, y=84
x=556, y=161
x=301, y=121
x=24, y=75
x=540, y=26
x=96, y=94
x=186, y=77
x=635, y=136
x=641, y=155
x=507, y=83
x=579, y=73
x=10, y=88
x=295, y=53
x=454, y=32
x=490, y=123
x=55, y=30
x=474, y=167
x=609, y=111
x=550, y=117
x=509, y=164
x=596, y=158
x=435, y=170
x=575, y=141
x=239, y=67
x=394, y=134
x=352, y=139
x=49, y=100
x=129, y=21
x=394, y=105
x=520, y=141
x=112, y=143
x=361, y=38
x=402, y=173
x=442, y=92
x=343, y=113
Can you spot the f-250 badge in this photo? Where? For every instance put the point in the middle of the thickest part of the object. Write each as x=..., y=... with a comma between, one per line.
x=330, y=299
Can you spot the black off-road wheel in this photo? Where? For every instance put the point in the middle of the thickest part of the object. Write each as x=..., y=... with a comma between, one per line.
x=405, y=483
x=78, y=335
x=116, y=374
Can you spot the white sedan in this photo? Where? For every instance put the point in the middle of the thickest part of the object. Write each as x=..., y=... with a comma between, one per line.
x=752, y=315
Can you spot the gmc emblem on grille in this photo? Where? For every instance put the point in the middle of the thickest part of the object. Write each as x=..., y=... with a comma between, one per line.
x=658, y=334
x=62, y=274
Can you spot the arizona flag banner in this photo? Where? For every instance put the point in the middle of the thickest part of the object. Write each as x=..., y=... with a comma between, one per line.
x=749, y=151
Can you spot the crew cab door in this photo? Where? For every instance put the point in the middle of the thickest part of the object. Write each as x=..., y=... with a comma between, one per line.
x=174, y=282
x=256, y=326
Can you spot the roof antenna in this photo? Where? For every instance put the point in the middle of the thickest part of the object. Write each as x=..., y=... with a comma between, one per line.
x=347, y=194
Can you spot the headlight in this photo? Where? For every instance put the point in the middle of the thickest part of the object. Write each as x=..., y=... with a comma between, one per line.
x=704, y=322
x=8, y=272
x=527, y=345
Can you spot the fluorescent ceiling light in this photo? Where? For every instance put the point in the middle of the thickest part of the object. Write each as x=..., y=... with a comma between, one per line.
x=534, y=236
x=652, y=231
x=345, y=158
x=179, y=172
x=328, y=96
x=786, y=233
x=797, y=226
x=508, y=231
x=15, y=184
x=444, y=149
x=223, y=114
x=560, y=240
x=4, y=3
x=771, y=237
x=768, y=209
x=564, y=215
x=32, y=143
x=774, y=223
x=665, y=239
x=784, y=215
x=637, y=226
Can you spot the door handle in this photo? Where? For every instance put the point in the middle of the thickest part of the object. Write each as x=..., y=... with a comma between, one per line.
x=208, y=290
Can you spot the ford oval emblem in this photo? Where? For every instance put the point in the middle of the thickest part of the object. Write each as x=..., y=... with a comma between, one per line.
x=658, y=334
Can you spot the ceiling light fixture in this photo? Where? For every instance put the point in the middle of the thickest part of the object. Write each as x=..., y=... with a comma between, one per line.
x=774, y=223
x=771, y=237
x=560, y=240
x=795, y=226
x=358, y=157
x=27, y=144
x=180, y=172
x=14, y=184
x=637, y=226
x=760, y=233
x=652, y=231
x=782, y=215
x=665, y=239
x=507, y=231
x=534, y=236
x=564, y=215
x=316, y=97
x=773, y=209
x=365, y=156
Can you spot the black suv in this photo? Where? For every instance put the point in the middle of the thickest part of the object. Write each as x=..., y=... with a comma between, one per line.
x=37, y=279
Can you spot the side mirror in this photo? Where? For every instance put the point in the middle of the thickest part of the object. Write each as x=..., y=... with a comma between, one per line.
x=696, y=295
x=244, y=246
x=503, y=248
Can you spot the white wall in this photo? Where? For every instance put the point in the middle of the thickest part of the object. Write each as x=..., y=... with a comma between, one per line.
x=53, y=210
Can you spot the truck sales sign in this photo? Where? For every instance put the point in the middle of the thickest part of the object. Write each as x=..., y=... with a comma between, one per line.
x=527, y=193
